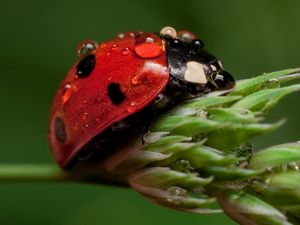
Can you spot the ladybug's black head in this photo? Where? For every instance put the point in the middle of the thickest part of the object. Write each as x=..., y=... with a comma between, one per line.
x=191, y=67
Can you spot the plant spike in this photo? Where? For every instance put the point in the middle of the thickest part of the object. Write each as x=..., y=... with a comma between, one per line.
x=199, y=153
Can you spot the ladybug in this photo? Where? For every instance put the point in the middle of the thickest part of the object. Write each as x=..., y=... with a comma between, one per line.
x=122, y=83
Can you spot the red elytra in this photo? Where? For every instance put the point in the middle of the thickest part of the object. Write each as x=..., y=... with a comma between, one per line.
x=82, y=107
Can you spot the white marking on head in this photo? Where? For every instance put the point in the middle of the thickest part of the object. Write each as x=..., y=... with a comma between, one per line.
x=213, y=67
x=195, y=73
x=169, y=31
x=221, y=64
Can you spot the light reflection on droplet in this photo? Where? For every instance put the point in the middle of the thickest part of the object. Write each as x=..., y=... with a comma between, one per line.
x=67, y=93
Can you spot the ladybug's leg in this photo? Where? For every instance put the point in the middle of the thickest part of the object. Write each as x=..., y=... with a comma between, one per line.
x=121, y=125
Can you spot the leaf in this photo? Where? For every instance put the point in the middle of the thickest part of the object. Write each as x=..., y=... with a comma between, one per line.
x=248, y=209
x=186, y=126
x=210, y=101
x=265, y=99
x=229, y=173
x=275, y=156
x=248, y=86
x=164, y=177
x=233, y=115
x=233, y=135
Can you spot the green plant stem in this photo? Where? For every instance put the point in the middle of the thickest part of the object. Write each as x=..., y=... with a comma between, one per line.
x=32, y=173
x=25, y=173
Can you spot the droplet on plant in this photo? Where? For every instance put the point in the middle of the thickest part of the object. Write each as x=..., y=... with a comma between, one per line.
x=175, y=194
x=272, y=83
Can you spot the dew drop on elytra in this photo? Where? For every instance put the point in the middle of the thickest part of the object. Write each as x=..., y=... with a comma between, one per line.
x=132, y=107
x=135, y=80
x=75, y=125
x=67, y=93
x=148, y=46
x=126, y=51
x=86, y=47
x=114, y=47
x=84, y=116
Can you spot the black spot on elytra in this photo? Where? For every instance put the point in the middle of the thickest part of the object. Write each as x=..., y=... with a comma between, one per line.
x=86, y=66
x=115, y=94
x=60, y=130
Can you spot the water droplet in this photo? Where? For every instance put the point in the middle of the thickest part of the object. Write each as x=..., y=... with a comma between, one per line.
x=153, y=136
x=148, y=45
x=170, y=31
x=84, y=116
x=125, y=35
x=126, y=51
x=114, y=47
x=186, y=36
x=67, y=93
x=149, y=40
x=272, y=83
x=135, y=80
x=181, y=165
x=294, y=166
x=132, y=107
x=175, y=194
x=121, y=35
x=202, y=114
x=86, y=47
x=75, y=126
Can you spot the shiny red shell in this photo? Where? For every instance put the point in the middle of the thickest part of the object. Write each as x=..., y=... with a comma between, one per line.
x=82, y=108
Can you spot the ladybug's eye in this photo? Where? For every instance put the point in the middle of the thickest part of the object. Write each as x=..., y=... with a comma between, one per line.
x=176, y=44
x=223, y=80
x=86, y=66
x=197, y=45
x=170, y=31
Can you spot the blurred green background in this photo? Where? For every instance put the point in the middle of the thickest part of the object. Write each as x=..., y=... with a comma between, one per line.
x=37, y=46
